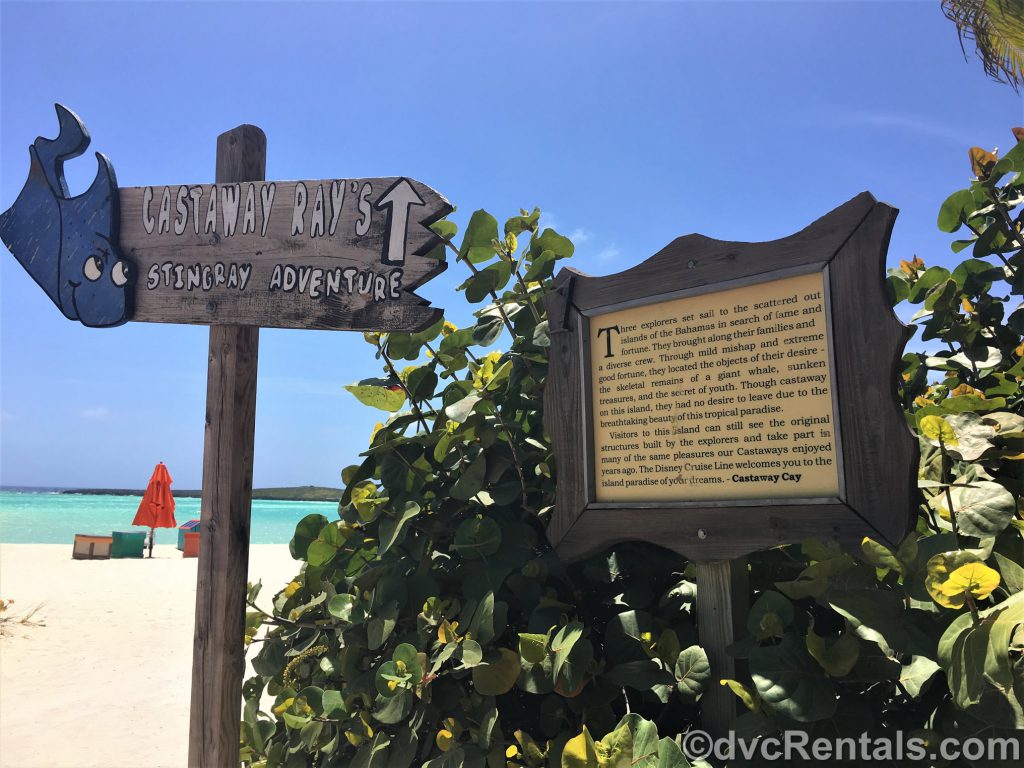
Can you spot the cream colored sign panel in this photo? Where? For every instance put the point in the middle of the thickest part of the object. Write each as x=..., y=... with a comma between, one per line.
x=726, y=395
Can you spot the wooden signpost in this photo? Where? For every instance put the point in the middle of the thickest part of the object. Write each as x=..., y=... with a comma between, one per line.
x=237, y=255
x=720, y=398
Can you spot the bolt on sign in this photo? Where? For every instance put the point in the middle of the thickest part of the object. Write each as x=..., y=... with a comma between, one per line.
x=330, y=254
x=722, y=397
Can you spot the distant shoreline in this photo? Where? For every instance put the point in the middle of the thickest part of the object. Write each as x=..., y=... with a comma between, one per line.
x=295, y=493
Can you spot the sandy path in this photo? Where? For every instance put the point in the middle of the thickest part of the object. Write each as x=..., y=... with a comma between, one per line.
x=105, y=683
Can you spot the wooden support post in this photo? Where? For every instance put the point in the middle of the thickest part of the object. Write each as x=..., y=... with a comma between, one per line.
x=722, y=605
x=218, y=652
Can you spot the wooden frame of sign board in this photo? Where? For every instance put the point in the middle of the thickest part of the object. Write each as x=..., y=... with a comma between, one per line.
x=869, y=487
x=876, y=452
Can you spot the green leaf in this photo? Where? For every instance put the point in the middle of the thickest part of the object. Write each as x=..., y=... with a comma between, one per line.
x=542, y=267
x=562, y=643
x=693, y=671
x=471, y=480
x=880, y=555
x=391, y=527
x=642, y=675
x=479, y=286
x=532, y=647
x=477, y=243
x=917, y=675
x=460, y=410
x=477, y=537
x=498, y=674
x=789, y=681
x=344, y=607
x=540, y=335
x=838, y=657
x=472, y=653
x=487, y=330
x=549, y=240
x=955, y=210
x=929, y=279
x=378, y=393
x=306, y=532
x=770, y=614
x=876, y=615
x=972, y=435
x=445, y=229
x=525, y=223
x=984, y=509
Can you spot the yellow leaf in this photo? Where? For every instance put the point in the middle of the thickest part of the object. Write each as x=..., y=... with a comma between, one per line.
x=580, y=752
x=448, y=328
x=939, y=568
x=284, y=705
x=968, y=307
x=292, y=588
x=923, y=401
x=446, y=632
x=981, y=161
x=906, y=267
x=512, y=751
x=937, y=428
x=354, y=738
x=966, y=389
x=749, y=699
x=444, y=740
x=976, y=578
x=376, y=428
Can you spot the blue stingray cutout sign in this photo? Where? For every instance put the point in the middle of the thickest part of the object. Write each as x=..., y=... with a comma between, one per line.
x=332, y=254
x=69, y=245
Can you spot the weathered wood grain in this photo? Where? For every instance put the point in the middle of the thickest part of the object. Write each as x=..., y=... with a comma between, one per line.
x=880, y=453
x=326, y=253
x=723, y=601
x=879, y=456
x=218, y=655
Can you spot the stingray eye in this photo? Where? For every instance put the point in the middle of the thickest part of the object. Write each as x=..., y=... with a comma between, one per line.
x=119, y=274
x=92, y=269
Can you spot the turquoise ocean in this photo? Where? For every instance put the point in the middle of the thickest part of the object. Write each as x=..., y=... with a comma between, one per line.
x=49, y=517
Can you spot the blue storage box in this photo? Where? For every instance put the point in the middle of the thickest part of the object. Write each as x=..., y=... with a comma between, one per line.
x=192, y=526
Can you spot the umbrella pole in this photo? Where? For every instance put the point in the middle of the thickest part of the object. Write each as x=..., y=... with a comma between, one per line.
x=152, y=538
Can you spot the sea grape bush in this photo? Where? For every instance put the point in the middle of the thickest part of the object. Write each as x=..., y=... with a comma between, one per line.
x=431, y=624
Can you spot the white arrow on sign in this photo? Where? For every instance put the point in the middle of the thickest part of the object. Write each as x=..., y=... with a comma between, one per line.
x=400, y=196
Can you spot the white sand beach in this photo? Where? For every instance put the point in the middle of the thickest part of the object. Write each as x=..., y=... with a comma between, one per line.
x=104, y=680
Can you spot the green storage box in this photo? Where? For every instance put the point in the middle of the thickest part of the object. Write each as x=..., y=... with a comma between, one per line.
x=128, y=543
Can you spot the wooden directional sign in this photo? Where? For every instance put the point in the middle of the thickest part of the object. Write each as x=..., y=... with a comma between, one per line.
x=330, y=253
x=721, y=397
x=341, y=254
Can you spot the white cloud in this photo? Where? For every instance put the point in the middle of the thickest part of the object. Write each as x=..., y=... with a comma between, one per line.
x=549, y=220
x=610, y=253
x=579, y=235
x=95, y=413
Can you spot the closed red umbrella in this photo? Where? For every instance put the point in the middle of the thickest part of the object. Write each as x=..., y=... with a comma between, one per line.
x=156, y=510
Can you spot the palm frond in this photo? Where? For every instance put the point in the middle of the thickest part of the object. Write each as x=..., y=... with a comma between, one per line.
x=997, y=29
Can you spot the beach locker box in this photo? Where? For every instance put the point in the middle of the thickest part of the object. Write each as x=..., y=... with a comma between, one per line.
x=128, y=543
x=191, y=548
x=88, y=547
x=191, y=525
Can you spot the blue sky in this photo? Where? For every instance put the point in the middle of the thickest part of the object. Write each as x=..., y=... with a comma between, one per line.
x=627, y=123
